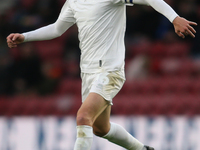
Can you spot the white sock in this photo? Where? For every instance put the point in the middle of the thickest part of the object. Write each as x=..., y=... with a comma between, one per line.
x=84, y=138
x=121, y=137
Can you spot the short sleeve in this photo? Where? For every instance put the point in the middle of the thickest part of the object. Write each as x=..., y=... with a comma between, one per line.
x=66, y=13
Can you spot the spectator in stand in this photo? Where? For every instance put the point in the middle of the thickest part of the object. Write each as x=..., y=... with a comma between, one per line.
x=5, y=69
x=50, y=78
x=26, y=70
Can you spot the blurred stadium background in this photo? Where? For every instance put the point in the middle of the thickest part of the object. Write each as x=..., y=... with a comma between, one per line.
x=40, y=86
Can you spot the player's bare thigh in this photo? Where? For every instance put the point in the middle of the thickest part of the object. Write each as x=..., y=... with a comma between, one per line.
x=90, y=109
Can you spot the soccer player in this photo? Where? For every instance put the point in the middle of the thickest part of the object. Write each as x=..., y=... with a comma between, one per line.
x=101, y=25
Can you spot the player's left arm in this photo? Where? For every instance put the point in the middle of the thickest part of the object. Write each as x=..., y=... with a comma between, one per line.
x=182, y=26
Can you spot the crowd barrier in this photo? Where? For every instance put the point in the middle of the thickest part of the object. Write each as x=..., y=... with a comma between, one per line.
x=53, y=133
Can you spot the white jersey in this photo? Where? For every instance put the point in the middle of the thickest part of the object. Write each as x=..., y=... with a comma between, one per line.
x=101, y=25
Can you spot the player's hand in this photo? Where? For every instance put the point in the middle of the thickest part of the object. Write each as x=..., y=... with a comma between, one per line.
x=14, y=39
x=184, y=27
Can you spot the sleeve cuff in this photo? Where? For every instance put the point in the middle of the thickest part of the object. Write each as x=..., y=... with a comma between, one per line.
x=25, y=37
x=171, y=19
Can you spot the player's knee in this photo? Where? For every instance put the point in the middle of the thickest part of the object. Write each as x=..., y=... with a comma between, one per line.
x=100, y=131
x=83, y=120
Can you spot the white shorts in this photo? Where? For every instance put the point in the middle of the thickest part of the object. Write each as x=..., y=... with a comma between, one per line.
x=106, y=84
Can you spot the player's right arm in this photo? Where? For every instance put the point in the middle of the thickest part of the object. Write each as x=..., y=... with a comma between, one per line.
x=64, y=21
x=45, y=33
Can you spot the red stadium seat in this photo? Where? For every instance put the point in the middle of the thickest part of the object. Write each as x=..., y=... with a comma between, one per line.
x=49, y=49
x=69, y=86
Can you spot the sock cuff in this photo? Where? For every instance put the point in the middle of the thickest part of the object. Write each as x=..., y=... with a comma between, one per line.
x=84, y=131
x=111, y=131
